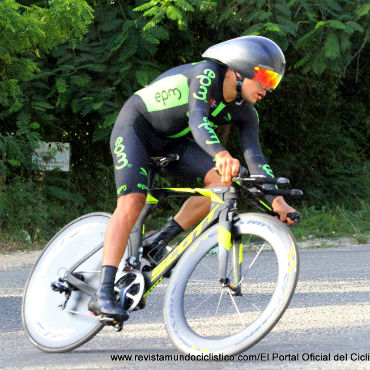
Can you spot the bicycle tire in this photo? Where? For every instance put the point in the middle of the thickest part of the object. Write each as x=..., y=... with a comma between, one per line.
x=48, y=327
x=191, y=291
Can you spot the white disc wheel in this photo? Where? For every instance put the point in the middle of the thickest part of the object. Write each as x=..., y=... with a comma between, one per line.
x=49, y=326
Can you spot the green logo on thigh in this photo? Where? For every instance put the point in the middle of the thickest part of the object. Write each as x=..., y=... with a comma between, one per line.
x=122, y=188
x=120, y=154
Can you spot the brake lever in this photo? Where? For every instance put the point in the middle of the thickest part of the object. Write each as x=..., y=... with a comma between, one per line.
x=294, y=216
x=241, y=173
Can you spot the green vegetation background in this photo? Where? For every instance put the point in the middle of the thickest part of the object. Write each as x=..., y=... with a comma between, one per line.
x=67, y=67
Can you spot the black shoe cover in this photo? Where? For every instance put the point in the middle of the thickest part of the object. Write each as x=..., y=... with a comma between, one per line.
x=155, y=244
x=105, y=302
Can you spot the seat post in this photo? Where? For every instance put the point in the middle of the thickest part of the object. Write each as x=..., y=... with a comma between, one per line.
x=136, y=236
x=151, y=176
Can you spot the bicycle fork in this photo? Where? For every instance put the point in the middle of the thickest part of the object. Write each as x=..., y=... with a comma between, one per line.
x=228, y=244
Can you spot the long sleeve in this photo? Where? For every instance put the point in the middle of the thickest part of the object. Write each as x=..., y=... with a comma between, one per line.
x=251, y=147
x=200, y=90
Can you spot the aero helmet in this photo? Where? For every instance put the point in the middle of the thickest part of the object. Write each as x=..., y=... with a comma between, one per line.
x=250, y=55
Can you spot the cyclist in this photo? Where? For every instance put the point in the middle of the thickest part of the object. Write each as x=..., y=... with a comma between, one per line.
x=193, y=98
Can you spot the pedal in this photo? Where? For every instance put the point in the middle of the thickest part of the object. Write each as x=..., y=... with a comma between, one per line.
x=118, y=327
x=107, y=320
x=111, y=321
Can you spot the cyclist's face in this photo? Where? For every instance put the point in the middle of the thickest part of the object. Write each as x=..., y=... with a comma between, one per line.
x=252, y=90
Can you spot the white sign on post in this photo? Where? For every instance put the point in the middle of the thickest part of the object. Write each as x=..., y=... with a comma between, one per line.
x=49, y=156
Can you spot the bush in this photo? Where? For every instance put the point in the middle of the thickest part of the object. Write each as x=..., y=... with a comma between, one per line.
x=37, y=209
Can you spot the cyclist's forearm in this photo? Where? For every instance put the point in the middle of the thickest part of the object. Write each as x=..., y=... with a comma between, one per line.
x=257, y=165
x=204, y=133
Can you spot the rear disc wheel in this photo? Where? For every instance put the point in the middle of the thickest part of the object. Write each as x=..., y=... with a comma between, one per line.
x=50, y=327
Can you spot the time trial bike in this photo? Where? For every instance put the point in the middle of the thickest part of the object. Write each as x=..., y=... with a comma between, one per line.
x=230, y=279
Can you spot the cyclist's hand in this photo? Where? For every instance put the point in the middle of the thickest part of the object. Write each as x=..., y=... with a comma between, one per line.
x=227, y=166
x=282, y=209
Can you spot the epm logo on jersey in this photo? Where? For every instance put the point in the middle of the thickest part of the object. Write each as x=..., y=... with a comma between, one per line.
x=168, y=92
x=164, y=95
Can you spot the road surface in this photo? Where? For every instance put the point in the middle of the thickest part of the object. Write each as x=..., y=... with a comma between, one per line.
x=326, y=326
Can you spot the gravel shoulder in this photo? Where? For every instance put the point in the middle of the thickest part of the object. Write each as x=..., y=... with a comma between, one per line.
x=19, y=259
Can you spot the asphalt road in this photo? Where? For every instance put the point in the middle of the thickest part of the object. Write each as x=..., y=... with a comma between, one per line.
x=329, y=316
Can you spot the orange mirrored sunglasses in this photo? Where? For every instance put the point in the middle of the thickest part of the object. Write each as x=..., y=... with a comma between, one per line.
x=267, y=78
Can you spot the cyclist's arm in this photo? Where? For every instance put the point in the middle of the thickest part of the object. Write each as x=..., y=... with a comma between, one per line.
x=257, y=165
x=200, y=90
x=203, y=130
x=251, y=147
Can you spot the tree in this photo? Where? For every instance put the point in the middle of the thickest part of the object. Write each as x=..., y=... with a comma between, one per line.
x=27, y=32
x=315, y=129
x=31, y=30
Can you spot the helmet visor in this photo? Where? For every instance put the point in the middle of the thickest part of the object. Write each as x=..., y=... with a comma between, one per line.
x=267, y=78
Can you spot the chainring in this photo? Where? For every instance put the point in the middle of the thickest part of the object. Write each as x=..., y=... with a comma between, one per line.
x=129, y=289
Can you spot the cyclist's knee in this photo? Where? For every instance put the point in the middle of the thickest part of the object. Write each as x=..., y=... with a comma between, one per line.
x=213, y=179
x=129, y=206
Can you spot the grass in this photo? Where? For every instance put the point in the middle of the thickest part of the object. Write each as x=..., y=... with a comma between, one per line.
x=327, y=222
x=334, y=222
x=9, y=243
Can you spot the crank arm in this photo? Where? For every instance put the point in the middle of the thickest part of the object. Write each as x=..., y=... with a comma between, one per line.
x=79, y=284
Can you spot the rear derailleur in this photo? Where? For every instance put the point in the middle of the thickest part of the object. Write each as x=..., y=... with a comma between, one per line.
x=62, y=286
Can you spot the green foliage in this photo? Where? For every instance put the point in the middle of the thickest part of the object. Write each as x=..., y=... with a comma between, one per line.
x=327, y=137
x=334, y=222
x=324, y=35
x=30, y=30
x=175, y=10
x=27, y=31
x=37, y=208
x=315, y=129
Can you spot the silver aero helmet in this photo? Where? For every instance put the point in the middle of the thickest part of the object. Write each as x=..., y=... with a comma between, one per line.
x=248, y=54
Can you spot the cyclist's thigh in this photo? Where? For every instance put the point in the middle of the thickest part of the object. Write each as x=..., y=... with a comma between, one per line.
x=194, y=162
x=131, y=156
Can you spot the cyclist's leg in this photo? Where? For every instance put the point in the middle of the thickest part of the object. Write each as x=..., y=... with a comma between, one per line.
x=197, y=207
x=131, y=162
x=194, y=163
x=130, y=145
x=120, y=225
x=116, y=236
